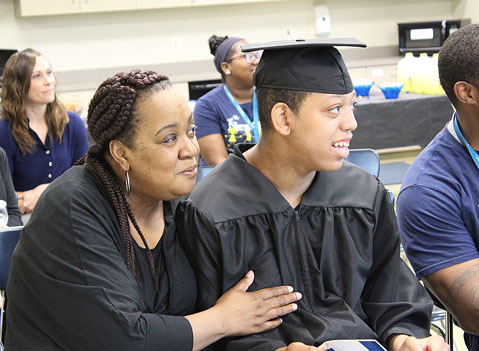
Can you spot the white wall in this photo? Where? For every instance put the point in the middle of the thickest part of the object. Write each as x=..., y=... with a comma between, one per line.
x=466, y=9
x=84, y=41
x=375, y=21
x=145, y=37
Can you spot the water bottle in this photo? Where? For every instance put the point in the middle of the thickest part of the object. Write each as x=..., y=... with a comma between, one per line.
x=406, y=69
x=422, y=78
x=3, y=213
x=436, y=84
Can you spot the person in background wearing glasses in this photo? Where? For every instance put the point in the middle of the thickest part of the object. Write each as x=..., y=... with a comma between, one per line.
x=225, y=116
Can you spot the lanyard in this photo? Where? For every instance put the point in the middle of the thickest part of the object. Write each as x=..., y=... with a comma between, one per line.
x=255, y=127
x=474, y=154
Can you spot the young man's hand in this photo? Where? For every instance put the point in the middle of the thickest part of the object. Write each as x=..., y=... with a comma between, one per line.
x=299, y=346
x=410, y=343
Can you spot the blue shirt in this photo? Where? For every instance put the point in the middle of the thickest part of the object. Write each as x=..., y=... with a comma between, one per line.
x=48, y=161
x=215, y=114
x=438, y=209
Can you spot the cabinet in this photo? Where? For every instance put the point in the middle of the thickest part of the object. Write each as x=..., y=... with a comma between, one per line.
x=225, y=2
x=158, y=4
x=105, y=5
x=215, y=2
x=51, y=7
x=26, y=8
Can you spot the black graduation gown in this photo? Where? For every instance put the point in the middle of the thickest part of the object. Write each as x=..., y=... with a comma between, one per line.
x=339, y=248
x=70, y=289
x=7, y=192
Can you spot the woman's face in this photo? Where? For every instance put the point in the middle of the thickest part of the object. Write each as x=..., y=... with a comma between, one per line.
x=164, y=155
x=42, y=83
x=240, y=68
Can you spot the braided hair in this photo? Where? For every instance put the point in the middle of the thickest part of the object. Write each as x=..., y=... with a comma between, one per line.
x=112, y=115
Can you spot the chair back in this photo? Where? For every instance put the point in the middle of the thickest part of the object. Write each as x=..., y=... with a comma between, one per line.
x=9, y=237
x=367, y=159
x=202, y=172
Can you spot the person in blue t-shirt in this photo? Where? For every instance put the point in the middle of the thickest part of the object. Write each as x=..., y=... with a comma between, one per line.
x=40, y=138
x=225, y=115
x=438, y=204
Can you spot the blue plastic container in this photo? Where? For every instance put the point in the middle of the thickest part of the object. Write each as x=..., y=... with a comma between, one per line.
x=391, y=90
x=363, y=89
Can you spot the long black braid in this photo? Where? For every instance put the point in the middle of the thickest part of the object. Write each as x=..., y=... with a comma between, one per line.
x=112, y=116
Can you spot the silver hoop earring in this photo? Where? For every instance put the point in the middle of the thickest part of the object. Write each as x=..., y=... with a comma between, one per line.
x=127, y=183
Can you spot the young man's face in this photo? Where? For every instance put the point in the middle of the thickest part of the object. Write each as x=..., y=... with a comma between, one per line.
x=322, y=131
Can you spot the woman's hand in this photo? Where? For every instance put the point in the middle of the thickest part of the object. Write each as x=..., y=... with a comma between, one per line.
x=254, y=312
x=28, y=199
x=299, y=346
x=238, y=312
x=410, y=343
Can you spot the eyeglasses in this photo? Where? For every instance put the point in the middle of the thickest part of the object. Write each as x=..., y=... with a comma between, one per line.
x=249, y=57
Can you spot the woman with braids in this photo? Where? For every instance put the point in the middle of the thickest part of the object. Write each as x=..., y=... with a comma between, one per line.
x=41, y=139
x=98, y=266
x=227, y=115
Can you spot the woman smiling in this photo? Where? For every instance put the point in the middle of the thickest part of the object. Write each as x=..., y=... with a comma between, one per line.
x=227, y=115
x=99, y=266
x=41, y=139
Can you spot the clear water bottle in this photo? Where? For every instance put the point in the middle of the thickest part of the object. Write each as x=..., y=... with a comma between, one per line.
x=423, y=75
x=3, y=213
x=406, y=71
x=436, y=84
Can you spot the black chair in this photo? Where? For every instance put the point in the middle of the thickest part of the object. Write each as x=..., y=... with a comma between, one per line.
x=9, y=238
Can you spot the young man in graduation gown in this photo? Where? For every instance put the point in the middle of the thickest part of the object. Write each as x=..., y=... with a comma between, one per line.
x=291, y=211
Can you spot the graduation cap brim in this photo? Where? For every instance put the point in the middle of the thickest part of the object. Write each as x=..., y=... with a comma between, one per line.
x=302, y=43
x=313, y=65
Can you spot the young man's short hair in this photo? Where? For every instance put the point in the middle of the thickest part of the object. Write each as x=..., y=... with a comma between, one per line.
x=459, y=59
x=268, y=97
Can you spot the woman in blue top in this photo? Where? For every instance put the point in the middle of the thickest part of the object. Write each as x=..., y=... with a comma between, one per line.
x=41, y=139
x=224, y=116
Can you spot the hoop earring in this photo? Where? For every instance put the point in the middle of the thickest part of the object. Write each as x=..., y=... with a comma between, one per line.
x=127, y=183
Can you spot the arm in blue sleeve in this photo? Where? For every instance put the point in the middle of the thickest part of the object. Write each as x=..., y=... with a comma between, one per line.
x=431, y=223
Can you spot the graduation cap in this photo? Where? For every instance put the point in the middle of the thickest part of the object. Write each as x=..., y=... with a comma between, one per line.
x=313, y=65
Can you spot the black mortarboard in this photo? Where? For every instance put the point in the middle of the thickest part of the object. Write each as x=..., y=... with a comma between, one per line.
x=308, y=65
